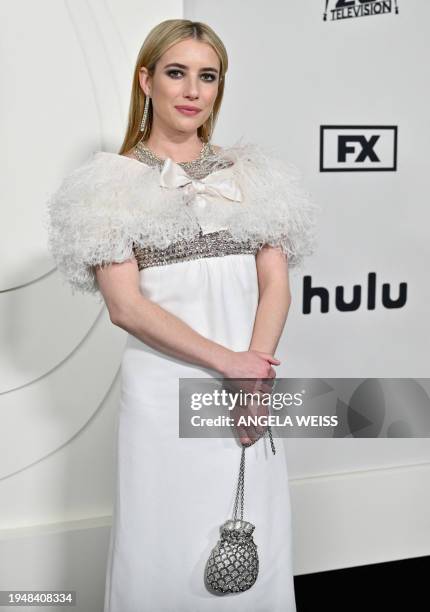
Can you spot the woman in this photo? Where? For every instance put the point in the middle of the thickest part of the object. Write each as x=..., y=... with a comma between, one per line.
x=189, y=246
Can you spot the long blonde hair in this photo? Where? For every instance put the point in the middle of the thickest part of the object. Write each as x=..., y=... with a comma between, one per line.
x=159, y=39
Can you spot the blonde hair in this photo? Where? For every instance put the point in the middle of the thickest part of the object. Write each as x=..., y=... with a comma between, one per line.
x=159, y=39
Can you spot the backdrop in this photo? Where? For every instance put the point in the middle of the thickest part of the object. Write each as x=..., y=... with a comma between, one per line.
x=338, y=88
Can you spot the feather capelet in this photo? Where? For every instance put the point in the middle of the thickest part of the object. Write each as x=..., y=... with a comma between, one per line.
x=111, y=202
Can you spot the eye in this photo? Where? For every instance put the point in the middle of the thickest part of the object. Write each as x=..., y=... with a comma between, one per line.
x=213, y=77
x=170, y=72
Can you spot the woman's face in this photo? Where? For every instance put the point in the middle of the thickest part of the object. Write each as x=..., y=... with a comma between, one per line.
x=187, y=74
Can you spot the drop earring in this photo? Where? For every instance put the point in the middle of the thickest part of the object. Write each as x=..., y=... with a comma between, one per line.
x=145, y=114
x=211, y=124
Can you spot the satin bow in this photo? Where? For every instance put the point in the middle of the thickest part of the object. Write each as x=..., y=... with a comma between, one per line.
x=214, y=184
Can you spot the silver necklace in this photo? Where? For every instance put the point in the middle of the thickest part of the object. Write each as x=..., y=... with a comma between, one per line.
x=146, y=155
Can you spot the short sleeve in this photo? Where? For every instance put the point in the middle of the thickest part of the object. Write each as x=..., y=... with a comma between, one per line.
x=82, y=232
x=280, y=211
x=293, y=223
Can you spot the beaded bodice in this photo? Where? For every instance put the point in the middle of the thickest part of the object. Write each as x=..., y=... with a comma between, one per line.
x=213, y=244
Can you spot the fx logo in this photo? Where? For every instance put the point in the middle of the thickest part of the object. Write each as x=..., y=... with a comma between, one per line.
x=358, y=148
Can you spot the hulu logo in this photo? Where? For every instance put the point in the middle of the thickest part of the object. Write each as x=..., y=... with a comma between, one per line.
x=361, y=296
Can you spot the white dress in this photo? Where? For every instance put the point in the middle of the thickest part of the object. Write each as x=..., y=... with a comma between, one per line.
x=172, y=493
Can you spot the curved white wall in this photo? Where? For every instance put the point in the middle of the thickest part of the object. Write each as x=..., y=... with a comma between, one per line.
x=66, y=72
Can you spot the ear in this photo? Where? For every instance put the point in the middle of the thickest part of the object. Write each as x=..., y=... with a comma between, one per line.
x=144, y=80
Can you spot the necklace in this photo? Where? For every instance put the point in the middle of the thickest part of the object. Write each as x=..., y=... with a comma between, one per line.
x=145, y=155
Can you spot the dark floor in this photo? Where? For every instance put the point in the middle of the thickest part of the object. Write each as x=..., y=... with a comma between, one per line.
x=395, y=586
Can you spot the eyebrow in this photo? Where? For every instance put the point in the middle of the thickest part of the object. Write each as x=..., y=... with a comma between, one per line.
x=185, y=67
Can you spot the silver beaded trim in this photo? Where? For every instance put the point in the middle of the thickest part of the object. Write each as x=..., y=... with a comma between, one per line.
x=215, y=244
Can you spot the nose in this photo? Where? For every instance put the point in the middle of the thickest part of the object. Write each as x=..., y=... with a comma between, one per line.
x=191, y=87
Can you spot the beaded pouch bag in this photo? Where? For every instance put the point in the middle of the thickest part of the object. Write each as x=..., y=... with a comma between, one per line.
x=233, y=564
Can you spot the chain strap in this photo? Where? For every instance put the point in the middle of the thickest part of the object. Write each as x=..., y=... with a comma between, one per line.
x=240, y=491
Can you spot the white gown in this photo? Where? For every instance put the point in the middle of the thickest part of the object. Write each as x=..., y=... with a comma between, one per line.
x=172, y=493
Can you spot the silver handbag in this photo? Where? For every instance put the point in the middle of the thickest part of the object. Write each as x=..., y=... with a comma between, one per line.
x=233, y=564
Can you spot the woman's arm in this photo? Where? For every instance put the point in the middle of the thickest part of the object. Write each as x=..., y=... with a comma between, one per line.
x=152, y=324
x=274, y=299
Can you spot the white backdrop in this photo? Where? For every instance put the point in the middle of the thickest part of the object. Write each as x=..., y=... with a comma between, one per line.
x=290, y=73
x=66, y=74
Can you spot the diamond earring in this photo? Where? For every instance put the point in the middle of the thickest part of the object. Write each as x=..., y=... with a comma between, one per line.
x=145, y=114
x=211, y=125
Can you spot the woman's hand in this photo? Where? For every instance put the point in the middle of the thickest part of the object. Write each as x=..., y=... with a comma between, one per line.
x=247, y=432
x=244, y=365
x=249, y=364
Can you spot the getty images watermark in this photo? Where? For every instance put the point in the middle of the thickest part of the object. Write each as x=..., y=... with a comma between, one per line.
x=305, y=407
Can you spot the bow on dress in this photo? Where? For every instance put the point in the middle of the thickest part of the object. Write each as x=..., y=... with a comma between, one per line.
x=216, y=184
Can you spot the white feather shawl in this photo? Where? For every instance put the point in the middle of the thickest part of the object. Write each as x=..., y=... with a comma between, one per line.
x=112, y=201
